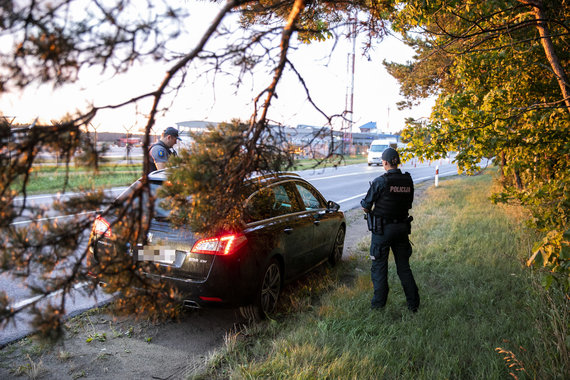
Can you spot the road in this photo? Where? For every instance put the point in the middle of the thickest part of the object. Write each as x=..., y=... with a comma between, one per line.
x=345, y=185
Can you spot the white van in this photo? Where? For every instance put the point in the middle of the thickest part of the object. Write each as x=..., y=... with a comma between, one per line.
x=376, y=149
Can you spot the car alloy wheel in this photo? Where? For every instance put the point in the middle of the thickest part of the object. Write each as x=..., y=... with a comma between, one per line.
x=267, y=295
x=270, y=288
x=338, y=247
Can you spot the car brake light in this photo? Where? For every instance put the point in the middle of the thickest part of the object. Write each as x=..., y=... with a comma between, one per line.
x=211, y=299
x=102, y=227
x=224, y=245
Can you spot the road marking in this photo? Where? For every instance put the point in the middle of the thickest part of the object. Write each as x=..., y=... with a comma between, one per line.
x=51, y=218
x=360, y=173
x=24, y=303
x=351, y=198
x=332, y=176
x=34, y=197
x=363, y=194
x=432, y=176
x=113, y=190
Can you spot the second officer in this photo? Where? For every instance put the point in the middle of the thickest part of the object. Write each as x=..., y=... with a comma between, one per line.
x=386, y=205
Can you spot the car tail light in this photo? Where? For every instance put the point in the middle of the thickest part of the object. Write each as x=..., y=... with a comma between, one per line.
x=102, y=227
x=223, y=245
x=211, y=299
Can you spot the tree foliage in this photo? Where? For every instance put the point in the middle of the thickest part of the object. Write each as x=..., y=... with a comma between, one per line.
x=53, y=42
x=215, y=168
x=497, y=70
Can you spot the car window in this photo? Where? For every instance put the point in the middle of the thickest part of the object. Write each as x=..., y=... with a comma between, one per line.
x=310, y=197
x=159, y=211
x=270, y=202
x=378, y=148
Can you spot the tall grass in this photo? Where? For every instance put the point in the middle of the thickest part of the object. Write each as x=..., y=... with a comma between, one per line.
x=49, y=182
x=481, y=315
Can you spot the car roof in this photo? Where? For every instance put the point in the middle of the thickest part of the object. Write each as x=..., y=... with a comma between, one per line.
x=158, y=175
x=268, y=178
x=255, y=177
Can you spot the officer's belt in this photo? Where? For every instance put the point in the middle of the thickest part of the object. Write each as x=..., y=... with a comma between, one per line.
x=394, y=221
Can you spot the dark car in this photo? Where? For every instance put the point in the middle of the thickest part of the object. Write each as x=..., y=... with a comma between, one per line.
x=289, y=230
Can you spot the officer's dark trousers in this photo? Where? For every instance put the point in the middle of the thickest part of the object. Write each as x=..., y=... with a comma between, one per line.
x=395, y=236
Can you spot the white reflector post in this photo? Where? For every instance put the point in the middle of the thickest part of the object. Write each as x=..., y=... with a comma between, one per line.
x=436, y=175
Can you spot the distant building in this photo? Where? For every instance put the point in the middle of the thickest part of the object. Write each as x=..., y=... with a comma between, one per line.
x=303, y=140
x=192, y=126
x=185, y=127
x=369, y=127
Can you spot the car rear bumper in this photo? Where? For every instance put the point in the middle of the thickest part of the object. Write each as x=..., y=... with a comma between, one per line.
x=227, y=284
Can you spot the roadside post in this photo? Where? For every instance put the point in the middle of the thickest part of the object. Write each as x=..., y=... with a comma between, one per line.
x=436, y=175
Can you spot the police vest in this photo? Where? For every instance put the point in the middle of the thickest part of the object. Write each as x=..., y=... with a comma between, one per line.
x=168, y=153
x=396, y=197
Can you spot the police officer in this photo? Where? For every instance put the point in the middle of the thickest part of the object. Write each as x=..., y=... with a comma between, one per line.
x=386, y=206
x=163, y=148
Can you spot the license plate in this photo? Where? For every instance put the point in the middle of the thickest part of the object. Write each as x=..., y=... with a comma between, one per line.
x=157, y=254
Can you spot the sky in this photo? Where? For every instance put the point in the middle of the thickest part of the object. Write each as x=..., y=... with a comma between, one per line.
x=203, y=98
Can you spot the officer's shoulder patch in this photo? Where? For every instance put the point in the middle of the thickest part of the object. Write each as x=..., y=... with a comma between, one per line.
x=161, y=153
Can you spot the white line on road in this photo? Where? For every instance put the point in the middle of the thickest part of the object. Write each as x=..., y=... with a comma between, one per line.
x=46, y=196
x=431, y=176
x=21, y=304
x=51, y=218
x=351, y=198
x=360, y=173
x=416, y=180
x=332, y=176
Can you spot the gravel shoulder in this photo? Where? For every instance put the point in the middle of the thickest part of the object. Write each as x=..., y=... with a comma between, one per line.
x=97, y=345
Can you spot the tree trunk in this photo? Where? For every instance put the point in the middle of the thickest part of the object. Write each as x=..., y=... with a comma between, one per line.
x=518, y=180
x=546, y=41
x=502, y=165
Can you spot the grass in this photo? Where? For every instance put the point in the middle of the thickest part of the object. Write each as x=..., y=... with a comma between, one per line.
x=51, y=179
x=310, y=163
x=482, y=316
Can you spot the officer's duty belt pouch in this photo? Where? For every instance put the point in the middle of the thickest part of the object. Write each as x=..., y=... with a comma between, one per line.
x=377, y=225
x=370, y=222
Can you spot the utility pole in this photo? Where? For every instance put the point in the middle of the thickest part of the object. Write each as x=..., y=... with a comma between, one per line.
x=349, y=105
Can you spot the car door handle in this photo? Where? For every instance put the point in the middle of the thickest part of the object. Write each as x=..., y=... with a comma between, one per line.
x=288, y=230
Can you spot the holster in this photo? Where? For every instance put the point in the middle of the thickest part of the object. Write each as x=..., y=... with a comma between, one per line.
x=376, y=224
x=409, y=221
x=369, y=221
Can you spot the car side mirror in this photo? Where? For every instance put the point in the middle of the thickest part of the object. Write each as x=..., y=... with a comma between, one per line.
x=332, y=206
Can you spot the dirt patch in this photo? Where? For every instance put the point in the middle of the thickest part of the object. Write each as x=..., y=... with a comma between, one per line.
x=99, y=346
x=357, y=235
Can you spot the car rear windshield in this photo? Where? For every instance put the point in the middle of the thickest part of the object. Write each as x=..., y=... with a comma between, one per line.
x=159, y=212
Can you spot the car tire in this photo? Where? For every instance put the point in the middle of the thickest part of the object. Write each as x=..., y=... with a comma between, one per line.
x=267, y=294
x=338, y=247
x=369, y=164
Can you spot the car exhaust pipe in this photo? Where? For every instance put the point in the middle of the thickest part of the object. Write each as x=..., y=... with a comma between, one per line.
x=191, y=304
